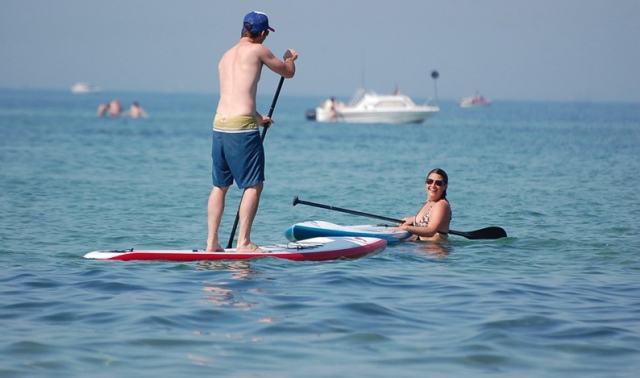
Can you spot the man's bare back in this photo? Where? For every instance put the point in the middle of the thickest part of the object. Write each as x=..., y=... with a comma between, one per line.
x=240, y=69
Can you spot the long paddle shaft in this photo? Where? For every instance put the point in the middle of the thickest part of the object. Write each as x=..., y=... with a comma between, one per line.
x=264, y=133
x=484, y=233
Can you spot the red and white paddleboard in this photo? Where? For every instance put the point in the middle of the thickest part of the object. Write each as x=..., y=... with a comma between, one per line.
x=315, y=249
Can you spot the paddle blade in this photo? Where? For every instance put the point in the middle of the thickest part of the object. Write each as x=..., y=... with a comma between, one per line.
x=484, y=233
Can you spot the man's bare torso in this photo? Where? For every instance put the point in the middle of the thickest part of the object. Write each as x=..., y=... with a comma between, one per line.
x=239, y=69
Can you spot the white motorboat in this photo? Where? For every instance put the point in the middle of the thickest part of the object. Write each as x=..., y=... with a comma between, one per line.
x=369, y=107
x=475, y=100
x=84, y=88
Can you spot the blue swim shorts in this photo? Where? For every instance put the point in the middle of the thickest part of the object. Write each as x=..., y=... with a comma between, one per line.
x=238, y=156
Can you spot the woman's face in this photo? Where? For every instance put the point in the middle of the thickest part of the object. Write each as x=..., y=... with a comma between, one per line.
x=435, y=186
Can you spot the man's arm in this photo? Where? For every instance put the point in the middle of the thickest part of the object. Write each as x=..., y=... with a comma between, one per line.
x=286, y=68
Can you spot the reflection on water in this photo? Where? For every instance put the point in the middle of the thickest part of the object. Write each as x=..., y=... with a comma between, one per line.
x=220, y=295
x=440, y=249
x=241, y=269
x=199, y=360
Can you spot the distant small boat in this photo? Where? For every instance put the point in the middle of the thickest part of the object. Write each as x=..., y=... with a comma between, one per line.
x=475, y=100
x=373, y=108
x=84, y=88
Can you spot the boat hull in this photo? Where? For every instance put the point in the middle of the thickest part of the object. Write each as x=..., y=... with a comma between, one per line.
x=375, y=116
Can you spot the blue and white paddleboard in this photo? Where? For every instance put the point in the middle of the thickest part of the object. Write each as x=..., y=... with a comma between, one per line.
x=312, y=229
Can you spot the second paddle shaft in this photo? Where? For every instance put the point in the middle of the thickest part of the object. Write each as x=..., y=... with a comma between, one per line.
x=297, y=201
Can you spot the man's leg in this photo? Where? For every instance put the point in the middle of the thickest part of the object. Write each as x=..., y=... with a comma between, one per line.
x=215, y=208
x=248, y=211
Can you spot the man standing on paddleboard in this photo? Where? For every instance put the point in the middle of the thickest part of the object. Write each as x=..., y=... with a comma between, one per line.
x=237, y=150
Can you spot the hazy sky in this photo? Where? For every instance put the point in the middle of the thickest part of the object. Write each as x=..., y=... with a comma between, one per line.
x=506, y=49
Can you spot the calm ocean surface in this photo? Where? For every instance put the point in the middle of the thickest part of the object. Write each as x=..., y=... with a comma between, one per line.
x=559, y=297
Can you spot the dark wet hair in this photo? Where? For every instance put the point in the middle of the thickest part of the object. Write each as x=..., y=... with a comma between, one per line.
x=444, y=176
x=246, y=31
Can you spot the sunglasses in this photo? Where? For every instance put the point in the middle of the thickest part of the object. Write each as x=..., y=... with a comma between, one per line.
x=437, y=182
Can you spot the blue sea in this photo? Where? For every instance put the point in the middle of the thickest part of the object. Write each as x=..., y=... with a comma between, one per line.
x=560, y=296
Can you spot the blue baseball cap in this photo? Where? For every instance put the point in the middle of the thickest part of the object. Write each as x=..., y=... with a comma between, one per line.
x=258, y=21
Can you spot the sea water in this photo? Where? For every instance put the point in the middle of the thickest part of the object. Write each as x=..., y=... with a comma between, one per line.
x=559, y=297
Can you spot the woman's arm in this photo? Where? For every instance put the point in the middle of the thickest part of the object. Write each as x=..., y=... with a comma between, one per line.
x=439, y=218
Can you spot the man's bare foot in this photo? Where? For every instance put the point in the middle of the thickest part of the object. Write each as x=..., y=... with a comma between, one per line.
x=250, y=248
x=214, y=248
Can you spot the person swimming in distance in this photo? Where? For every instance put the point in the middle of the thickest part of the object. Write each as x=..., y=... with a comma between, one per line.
x=103, y=109
x=115, y=108
x=136, y=111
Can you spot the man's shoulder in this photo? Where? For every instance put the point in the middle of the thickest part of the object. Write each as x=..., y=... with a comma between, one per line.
x=259, y=52
x=249, y=48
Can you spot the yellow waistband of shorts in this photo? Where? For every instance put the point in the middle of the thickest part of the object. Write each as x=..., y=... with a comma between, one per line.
x=235, y=123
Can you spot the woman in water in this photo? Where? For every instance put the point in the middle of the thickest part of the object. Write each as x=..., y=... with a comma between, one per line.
x=432, y=221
